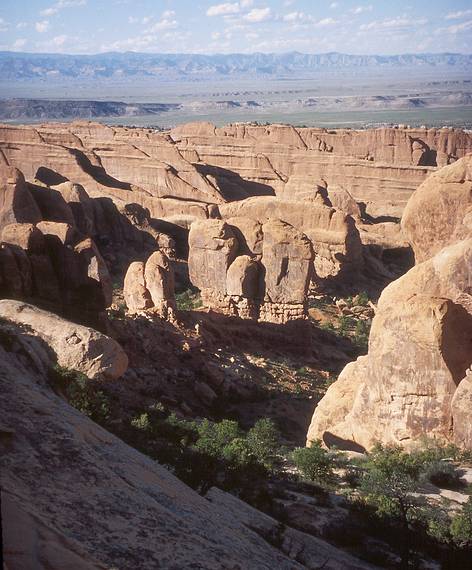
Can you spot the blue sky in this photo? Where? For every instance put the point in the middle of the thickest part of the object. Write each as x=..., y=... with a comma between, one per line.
x=206, y=26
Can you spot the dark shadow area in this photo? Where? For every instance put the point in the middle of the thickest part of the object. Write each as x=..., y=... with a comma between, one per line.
x=49, y=177
x=332, y=440
x=232, y=185
x=98, y=173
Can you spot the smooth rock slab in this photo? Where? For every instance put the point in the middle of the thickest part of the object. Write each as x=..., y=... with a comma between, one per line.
x=76, y=347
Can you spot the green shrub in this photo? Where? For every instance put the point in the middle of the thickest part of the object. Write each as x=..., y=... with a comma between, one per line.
x=442, y=474
x=188, y=300
x=81, y=393
x=461, y=526
x=213, y=438
x=314, y=463
x=362, y=299
x=141, y=422
x=263, y=441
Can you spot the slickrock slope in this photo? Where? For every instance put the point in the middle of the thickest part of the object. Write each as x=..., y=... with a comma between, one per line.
x=74, y=346
x=75, y=496
x=415, y=380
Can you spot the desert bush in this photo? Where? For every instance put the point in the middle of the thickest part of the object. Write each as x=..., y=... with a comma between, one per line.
x=314, y=463
x=461, y=526
x=263, y=441
x=188, y=300
x=81, y=393
x=442, y=474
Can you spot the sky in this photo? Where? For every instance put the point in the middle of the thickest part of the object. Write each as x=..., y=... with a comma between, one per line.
x=239, y=26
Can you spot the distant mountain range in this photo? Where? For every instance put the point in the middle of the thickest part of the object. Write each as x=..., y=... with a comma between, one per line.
x=15, y=66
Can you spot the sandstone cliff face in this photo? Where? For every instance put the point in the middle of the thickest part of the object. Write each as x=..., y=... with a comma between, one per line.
x=201, y=164
x=381, y=167
x=146, y=517
x=415, y=380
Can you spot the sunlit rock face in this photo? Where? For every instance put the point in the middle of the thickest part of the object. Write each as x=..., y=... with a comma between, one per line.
x=415, y=380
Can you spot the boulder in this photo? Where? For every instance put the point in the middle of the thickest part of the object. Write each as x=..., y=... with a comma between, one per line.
x=461, y=405
x=159, y=278
x=151, y=286
x=76, y=347
x=136, y=295
x=334, y=236
x=94, y=286
x=25, y=236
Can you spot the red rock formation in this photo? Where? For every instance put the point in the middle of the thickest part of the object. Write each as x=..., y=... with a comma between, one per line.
x=415, y=380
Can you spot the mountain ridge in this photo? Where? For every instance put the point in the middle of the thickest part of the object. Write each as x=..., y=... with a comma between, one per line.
x=112, y=65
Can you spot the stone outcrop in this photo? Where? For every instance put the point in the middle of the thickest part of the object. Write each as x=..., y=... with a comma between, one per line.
x=415, y=380
x=287, y=261
x=440, y=212
x=379, y=167
x=212, y=248
x=333, y=234
x=108, y=506
x=74, y=346
x=151, y=286
x=195, y=166
x=16, y=203
x=262, y=274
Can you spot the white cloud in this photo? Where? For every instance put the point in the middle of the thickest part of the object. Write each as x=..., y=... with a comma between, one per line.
x=19, y=43
x=166, y=22
x=258, y=15
x=60, y=5
x=3, y=25
x=458, y=28
x=325, y=22
x=334, y=5
x=392, y=24
x=223, y=9
x=168, y=14
x=21, y=25
x=294, y=16
x=42, y=27
x=458, y=15
x=59, y=40
x=361, y=9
